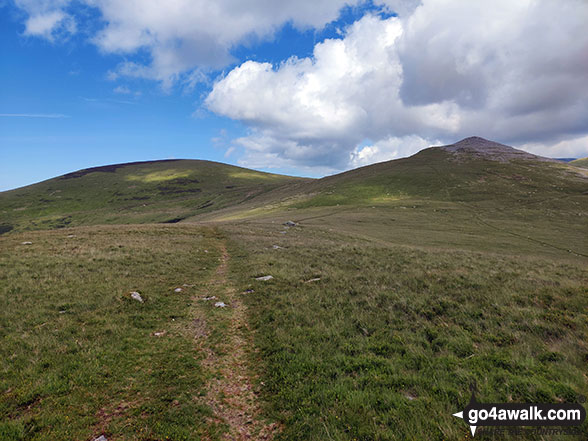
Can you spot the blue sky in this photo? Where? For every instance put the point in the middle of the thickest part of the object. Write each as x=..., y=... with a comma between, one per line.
x=311, y=88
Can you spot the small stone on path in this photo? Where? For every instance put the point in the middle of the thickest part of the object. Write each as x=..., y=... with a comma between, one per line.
x=135, y=295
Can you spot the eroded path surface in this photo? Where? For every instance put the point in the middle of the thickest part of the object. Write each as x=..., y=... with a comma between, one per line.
x=224, y=336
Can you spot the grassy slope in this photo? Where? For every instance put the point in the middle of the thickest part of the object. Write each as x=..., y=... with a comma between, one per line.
x=582, y=162
x=78, y=356
x=386, y=343
x=433, y=273
x=471, y=201
x=161, y=191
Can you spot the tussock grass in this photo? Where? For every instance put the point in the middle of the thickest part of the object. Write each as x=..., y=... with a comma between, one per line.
x=385, y=345
x=78, y=356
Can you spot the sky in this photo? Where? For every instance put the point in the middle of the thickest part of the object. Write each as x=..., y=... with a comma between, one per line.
x=306, y=88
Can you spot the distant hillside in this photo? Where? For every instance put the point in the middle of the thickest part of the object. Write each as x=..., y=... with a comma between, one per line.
x=582, y=162
x=472, y=170
x=140, y=192
x=476, y=172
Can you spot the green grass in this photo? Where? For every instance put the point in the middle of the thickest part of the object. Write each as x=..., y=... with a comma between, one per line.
x=386, y=343
x=582, y=162
x=159, y=191
x=434, y=272
x=78, y=356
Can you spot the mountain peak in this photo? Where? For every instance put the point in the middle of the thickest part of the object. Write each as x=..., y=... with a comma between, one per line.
x=482, y=148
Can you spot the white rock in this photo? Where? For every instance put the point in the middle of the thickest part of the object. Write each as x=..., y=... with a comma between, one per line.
x=101, y=438
x=316, y=279
x=178, y=290
x=276, y=247
x=220, y=305
x=27, y=243
x=209, y=298
x=135, y=295
x=264, y=278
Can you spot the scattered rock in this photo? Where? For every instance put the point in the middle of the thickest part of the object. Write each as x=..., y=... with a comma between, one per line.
x=220, y=305
x=178, y=290
x=283, y=232
x=206, y=299
x=316, y=279
x=27, y=243
x=159, y=333
x=264, y=278
x=290, y=223
x=101, y=438
x=136, y=296
x=185, y=285
x=206, y=251
x=276, y=247
x=249, y=291
x=71, y=235
x=62, y=312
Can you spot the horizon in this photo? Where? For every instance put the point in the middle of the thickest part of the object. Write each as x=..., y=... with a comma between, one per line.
x=307, y=89
x=225, y=163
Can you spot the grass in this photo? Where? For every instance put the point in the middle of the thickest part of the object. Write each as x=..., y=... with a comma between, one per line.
x=385, y=344
x=433, y=271
x=582, y=162
x=159, y=191
x=79, y=357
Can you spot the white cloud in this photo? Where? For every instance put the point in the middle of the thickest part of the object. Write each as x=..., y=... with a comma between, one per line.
x=46, y=18
x=568, y=148
x=123, y=90
x=387, y=149
x=511, y=71
x=180, y=35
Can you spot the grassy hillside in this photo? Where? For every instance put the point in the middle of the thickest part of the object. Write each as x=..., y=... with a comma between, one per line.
x=582, y=162
x=369, y=340
x=401, y=284
x=158, y=191
x=476, y=198
x=79, y=357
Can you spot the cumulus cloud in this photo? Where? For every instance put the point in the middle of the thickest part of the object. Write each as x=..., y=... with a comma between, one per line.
x=47, y=18
x=180, y=35
x=512, y=71
x=442, y=70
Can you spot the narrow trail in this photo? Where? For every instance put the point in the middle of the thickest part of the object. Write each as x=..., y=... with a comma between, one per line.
x=230, y=391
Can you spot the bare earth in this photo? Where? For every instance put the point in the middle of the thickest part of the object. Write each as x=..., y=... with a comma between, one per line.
x=230, y=392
